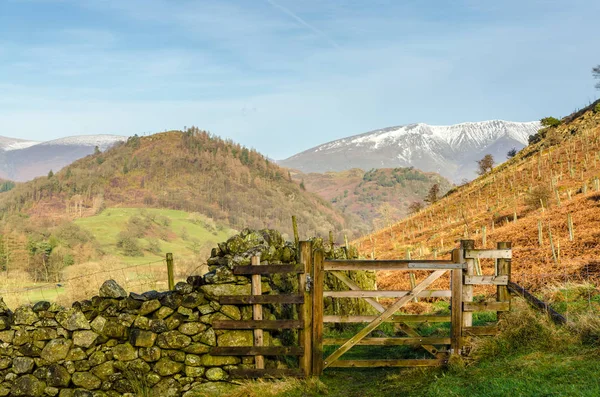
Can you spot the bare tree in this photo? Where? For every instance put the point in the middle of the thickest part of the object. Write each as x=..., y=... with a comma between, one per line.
x=434, y=194
x=486, y=164
x=415, y=207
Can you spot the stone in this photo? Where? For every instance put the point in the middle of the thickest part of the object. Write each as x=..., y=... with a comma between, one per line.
x=7, y=336
x=24, y=315
x=51, y=391
x=137, y=297
x=231, y=311
x=97, y=358
x=213, y=291
x=171, y=300
x=184, y=288
x=211, y=389
x=167, y=367
x=194, y=372
x=191, y=329
x=163, y=312
x=126, y=319
x=208, y=337
x=216, y=374
x=29, y=350
x=56, y=350
x=141, y=338
x=104, y=370
x=174, y=321
x=193, y=360
x=4, y=310
x=28, y=385
x=110, y=289
x=76, y=354
x=84, y=338
x=86, y=380
x=41, y=306
x=142, y=323
x=4, y=322
x=193, y=300
x=82, y=365
x=44, y=334
x=236, y=338
x=150, y=354
x=158, y=326
x=124, y=352
x=216, y=361
x=22, y=365
x=98, y=324
x=173, y=340
x=5, y=362
x=114, y=329
x=149, y=307
x=166, y=388
x=72, y=320
x=175, y=355
x=206, y=309
x=197, y=348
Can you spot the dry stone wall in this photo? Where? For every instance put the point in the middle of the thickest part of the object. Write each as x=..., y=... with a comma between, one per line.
x=155, y=343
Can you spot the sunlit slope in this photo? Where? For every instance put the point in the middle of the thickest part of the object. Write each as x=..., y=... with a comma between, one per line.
x=530, y=201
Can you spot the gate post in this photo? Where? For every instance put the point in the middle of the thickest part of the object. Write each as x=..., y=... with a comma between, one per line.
x=458, y=256
x=469, y=271
x=317, y=323
x=305, y=310
x=503, y=268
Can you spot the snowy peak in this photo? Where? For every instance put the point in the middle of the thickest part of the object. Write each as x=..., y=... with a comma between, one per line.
x=102, y=141
x=7, y=143
x=448, y=149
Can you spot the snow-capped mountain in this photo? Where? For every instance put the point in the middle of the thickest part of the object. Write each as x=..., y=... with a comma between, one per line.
x=22, y=160
x=450, y=150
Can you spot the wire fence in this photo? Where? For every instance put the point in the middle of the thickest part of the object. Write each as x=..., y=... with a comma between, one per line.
x=82, y=282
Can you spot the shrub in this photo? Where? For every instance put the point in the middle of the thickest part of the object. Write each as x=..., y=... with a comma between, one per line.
x=550, y=122
x=539, y=195
x=511, y=153
x=597, y=108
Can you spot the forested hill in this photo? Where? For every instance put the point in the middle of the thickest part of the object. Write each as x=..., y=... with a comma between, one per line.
x=192, y=171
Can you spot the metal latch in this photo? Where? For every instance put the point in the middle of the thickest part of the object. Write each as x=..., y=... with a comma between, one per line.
x=309, y=283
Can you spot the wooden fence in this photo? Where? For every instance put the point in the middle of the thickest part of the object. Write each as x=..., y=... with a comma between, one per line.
x=463, y=274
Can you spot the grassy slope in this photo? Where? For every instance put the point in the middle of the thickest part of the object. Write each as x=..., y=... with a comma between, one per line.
x=361, y=194
x=568, y=158
x=106, y=226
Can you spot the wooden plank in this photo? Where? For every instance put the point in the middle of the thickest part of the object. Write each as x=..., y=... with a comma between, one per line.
x=256, y=351
x=390, y=341
x=305, y=309
x=382, y=317
x=317, y=324
x=259, y=299
x=486, y=280
x=387, y=265
x=380, y=308
x=469, y=271
x=488, y=254
x=257, y=324
x=456, y=304
x=257, y=312
x=386, y=294
x=486, y=306
x=420, y=318
x=481, y=330
x=265, y=373
x=267, y=269
x=388, y=363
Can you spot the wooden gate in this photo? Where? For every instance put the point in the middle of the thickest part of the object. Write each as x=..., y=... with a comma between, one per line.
x=309, y=300
x=464, y=274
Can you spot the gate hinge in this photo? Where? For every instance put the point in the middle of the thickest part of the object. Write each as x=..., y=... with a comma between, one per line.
x=309, y=283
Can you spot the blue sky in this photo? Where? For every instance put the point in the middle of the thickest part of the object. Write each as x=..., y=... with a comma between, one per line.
x=285, y=75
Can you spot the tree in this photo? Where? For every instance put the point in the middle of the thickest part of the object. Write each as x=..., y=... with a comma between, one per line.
x=96, y=150
x=50, y=174
x=485, y=164
x=415, y=207
x=302, y=185
x=550, y=122
x=511, y=153
x=596, y=74
x=434, y=194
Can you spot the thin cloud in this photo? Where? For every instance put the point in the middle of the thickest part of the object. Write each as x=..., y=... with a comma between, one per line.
x=302, y=22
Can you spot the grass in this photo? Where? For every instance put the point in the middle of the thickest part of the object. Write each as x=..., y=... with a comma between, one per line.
x=531, y=357
x=186, y=232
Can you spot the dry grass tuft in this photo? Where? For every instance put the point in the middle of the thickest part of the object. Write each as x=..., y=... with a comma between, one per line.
x=267, y=388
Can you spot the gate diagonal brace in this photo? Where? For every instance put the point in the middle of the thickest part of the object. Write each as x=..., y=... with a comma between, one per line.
x=382, y=317
x=407, y=329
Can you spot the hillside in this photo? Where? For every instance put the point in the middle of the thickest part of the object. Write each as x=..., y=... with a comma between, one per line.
x=22, y=160
x=448, y=150
x=528, y=200
x=375, y=198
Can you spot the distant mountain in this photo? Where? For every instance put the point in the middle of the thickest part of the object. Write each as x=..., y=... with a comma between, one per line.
x=22, y=160
x=448, y=150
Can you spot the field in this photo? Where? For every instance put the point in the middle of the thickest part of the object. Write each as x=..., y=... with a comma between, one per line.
x=188, y=236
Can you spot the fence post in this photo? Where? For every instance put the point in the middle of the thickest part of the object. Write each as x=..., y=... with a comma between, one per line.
x=257, y=313
x=456, y=299
x=317, y=324
x=503, y=269
x=469, y=271
x=305, y=309
x=170, y=271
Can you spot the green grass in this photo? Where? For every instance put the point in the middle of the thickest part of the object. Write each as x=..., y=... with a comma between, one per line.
x=184, y=232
